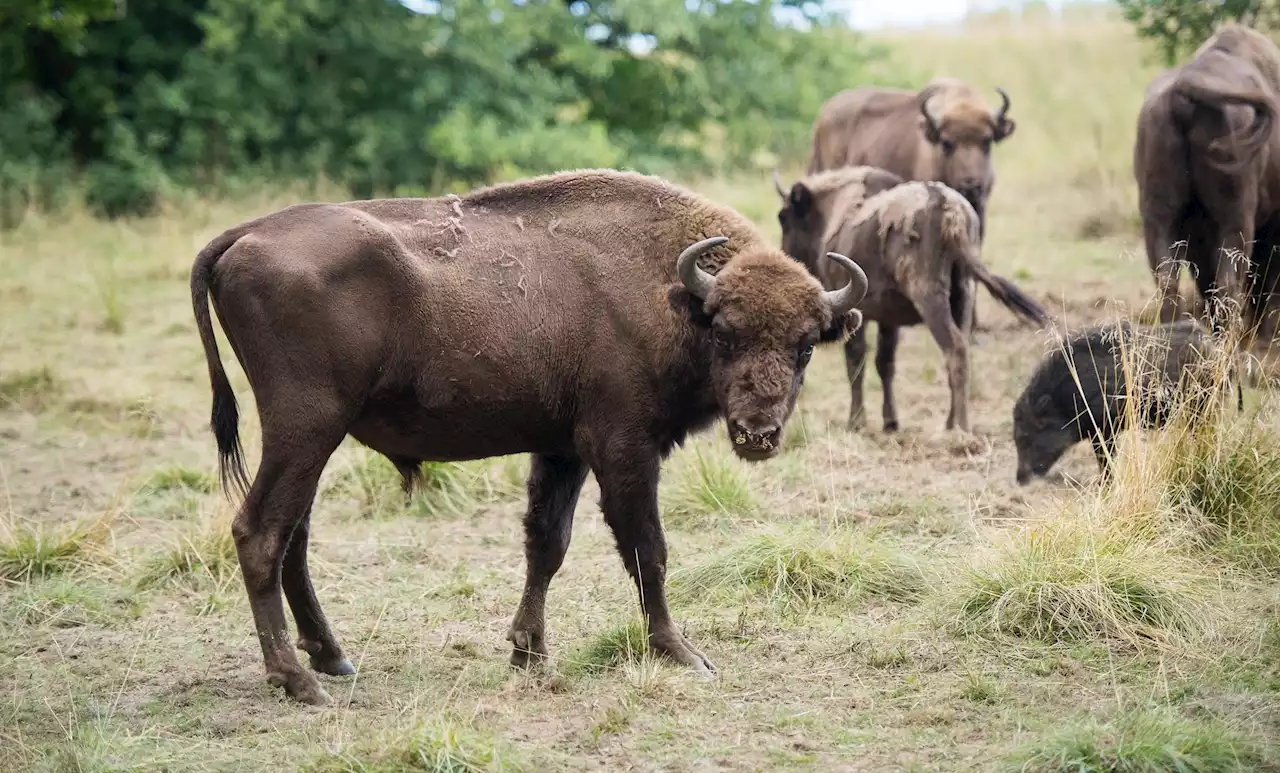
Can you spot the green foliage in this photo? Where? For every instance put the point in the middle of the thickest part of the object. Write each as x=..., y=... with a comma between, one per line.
x=388, y=100
x=1180, y=26
x=610, y=649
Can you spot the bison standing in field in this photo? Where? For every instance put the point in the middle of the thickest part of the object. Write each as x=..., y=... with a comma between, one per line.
x=1082, y=390
x=565, y=316
x=917, y=243
x=1208, y=173
x=943, y=132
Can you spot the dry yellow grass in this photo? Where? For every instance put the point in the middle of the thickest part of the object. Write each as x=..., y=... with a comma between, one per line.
x=103, y=389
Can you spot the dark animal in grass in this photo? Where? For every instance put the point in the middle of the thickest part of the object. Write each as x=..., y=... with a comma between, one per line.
x=1208, y=172
x=944, y=132
x=918, y=244
x=564, y=316
x=1082, y=390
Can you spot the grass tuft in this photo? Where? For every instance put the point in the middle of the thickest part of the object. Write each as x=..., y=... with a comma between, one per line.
x=65, y=603
x=805, y=568
x=444, y=488
x=706, y=485
x=32, y=551
x=205, y=551
x=1153, y=741
x=31, y=390
x=1064, y=581
x=439, y=746
x=183, y=479
x=611, y=649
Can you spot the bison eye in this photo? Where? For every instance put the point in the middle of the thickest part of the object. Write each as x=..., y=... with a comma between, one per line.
x=805, y=355
x=986, y=146
x=724, y=342
x=948, y=147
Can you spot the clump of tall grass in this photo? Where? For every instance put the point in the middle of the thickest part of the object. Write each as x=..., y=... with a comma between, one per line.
x=704, y=485
x=438, y=745
x=1149, y=741
x=614, y=648
x=32, y=551
x=804, y=568
x=179, y=478
x=1070, y=579
x=205, y=551
x=443, y=489
x=32, y=390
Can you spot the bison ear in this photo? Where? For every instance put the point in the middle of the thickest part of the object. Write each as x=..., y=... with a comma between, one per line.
x=842, y=327
x=801, y=199
x=682, y=300
x=1005, y=128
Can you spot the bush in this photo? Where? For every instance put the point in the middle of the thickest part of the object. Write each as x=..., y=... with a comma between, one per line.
x=127, y=182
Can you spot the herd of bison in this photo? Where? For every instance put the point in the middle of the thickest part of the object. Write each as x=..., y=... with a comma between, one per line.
x=592, y=319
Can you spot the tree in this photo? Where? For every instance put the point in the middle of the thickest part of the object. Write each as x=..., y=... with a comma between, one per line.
x=1180, y=26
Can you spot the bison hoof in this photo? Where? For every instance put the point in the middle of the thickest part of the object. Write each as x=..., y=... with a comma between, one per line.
x=681, y=650
x=891, y=426
x=302, y=687
x=529, y=649
x=326, y=659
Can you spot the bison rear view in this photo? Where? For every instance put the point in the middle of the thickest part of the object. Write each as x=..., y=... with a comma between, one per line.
x=591, y=319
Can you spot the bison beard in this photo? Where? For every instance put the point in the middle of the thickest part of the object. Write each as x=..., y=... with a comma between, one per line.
x=549, y=317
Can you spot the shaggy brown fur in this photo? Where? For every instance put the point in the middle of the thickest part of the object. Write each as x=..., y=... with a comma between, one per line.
x=546, y=317
x=819, y=201
x=1208, y=173
x=918, y=245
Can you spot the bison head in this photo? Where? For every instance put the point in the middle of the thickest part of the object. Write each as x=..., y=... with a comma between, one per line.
x=1041, y=435
x=762, y=314
x=803, y=225
x=963, y=132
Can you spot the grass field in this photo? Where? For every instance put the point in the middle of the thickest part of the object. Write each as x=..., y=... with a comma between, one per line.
x=873, y=602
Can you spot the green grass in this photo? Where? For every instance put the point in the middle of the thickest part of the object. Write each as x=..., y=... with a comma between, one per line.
x=701, y=485
x=1067, y=582
x=445, y=488
x=1152, y=741
x=610, y=650
x=805, y=568
x=31, y=390
x=441, y=746
x=32, y=551
x=63, y=602
x=204, y=552
x=182, y=479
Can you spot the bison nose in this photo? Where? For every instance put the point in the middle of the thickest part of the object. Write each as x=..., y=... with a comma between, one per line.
x=754, y=438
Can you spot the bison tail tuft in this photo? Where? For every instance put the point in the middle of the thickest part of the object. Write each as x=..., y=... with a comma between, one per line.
x=225, y=417
x=1006, y=292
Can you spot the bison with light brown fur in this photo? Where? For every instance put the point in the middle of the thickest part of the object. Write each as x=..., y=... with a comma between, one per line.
x=917, y=243
x=1207, y=165
x=565, y=316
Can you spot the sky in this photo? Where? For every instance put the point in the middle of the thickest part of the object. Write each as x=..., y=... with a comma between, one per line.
x=878, y=14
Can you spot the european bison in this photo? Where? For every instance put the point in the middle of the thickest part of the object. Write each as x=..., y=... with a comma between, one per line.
x=943, y=132
x=564, y=316
x=1208, y=174
x=917, y=242
x=1080, y=391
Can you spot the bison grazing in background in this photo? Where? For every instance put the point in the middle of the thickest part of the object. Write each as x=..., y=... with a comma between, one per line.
x=1208, y=174
x=943, y=132
x=564, y=316
x=918, y=245
x=1081, y=390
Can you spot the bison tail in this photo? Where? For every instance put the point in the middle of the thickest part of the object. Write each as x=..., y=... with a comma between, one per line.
x=1008, y=294
x=1236, y=150
x=225, y=419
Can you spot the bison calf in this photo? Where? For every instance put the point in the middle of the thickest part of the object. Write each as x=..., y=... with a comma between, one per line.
x=1081, y=390
x=918, y=243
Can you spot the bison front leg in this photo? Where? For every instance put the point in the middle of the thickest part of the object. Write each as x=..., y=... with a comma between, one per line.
x=628, y=478
x=554, y=485
x=936, y=313
x=855, y=360
x=886, y=354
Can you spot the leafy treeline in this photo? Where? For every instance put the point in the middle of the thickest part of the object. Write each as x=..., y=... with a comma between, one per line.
x=1180, y=26
x=139, y=97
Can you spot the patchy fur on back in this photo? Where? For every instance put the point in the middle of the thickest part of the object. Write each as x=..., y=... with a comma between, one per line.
x=898, y=208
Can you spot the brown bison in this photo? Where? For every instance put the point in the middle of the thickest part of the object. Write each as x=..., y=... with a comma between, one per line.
x=564, y=316
x=918, y=244
x=1082, y=390
x=1208, y=175
x=943, y=132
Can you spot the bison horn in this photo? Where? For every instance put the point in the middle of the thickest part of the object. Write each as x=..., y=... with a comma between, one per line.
x=777, y=185
x=695, y=280
x=843, y=300
x=1004, y=106
x=925, y=96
